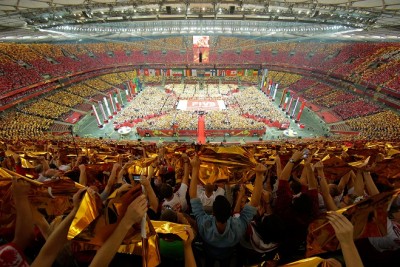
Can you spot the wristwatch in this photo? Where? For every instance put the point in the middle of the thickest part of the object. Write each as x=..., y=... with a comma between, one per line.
x=291, y=160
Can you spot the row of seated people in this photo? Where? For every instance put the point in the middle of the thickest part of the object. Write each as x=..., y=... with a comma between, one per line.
x=82, y=90
x=65, y=98
x=39, y=66
x=334, y=98
x=225, y=42
x=302, y=84
x=383, y=125
x=44, y=108
x=284, y=79
x=317, y=90
x=62, y=128
x=24, y=94
x=14, y=124
x=248, y=79
x=356, y=108
x=265, y=217
x=151, y=79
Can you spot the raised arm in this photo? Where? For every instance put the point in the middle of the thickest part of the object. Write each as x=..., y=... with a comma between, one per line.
x=344, y=233
x=278, y=165
x=258, y=185
x=359, y=183
x=82, y=174
x=151, y=195
x=187, y=248
x=312, y=182
x=344, y=181
x=58, y=238
x=186, y=169
x=195, y=162
x=134, y=214
x=328, y=200
x=239, y=197
x=23, y=225
x=289, y=165
x=111, y=181
x=369, y=184
x=44, y=163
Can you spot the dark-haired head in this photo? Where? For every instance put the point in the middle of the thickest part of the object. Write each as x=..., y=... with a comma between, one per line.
x=221, y=209
x=169, y=215
x=295, y=186
x=166, y=191
x=302, y=205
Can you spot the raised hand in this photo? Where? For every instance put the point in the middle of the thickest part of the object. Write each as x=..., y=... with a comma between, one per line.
x=135, y=210
x=260, y=168
x=342, y=226
x=20, y=187
x=195, y=162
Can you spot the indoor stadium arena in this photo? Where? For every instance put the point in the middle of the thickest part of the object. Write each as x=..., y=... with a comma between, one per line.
x=200, y=133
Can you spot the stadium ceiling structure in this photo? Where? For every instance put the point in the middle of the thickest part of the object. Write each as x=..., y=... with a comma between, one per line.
x=53, y=20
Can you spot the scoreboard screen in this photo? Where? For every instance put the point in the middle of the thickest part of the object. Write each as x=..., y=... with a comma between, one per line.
x=201, y=49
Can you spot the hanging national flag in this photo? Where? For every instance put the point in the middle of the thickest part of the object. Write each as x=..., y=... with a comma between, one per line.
x=286, y=100
x=116, y=101
x=207, y=73
x=152, y=72
x=255, y=72
x=231, y=72
x=213, y=72
x=177, y=72
x=187, y=72
x=194, y=72
x=240, y=72
x=146, y=72
x=221, y=73
x=158, y=72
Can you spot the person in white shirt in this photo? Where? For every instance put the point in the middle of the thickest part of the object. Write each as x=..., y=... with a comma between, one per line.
x=207, y=195
x=176, y=201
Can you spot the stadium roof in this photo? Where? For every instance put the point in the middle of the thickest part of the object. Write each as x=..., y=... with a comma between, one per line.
x=44, y=20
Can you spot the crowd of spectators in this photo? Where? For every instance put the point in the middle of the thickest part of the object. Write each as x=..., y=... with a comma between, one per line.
x=150, y=102
x=65, y=98
x=253, y=101
x=82, y=90
x=334, y=98
x=383, y=125
x=45, y=108
x=229, y=120
x=356, y=108
x=284, y=79
x=183, y=120
x=98, y=84
x=255, y=213
x=302, y=84
x=15, y=124
x=317, y=90
x=28, y=64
